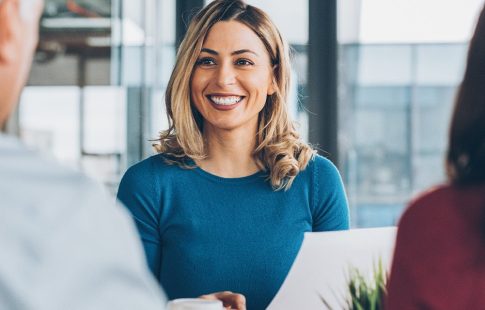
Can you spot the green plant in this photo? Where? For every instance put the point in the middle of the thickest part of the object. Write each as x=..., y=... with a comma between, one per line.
x=365, y=293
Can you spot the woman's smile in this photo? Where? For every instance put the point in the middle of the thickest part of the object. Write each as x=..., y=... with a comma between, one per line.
x=225, y=102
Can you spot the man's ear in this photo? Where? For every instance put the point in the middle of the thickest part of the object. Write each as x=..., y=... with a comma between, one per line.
x=9, y=21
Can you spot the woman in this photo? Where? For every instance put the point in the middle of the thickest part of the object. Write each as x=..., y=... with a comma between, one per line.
x=225, y=204
x=439, y=257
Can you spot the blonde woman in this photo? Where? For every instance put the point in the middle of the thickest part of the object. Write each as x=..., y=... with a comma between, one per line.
x=225, y=203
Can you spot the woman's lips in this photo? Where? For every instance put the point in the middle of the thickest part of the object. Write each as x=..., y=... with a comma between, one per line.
x=225, y=102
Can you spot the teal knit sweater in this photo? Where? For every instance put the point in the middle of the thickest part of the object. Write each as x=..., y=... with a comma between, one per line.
x=203, y=233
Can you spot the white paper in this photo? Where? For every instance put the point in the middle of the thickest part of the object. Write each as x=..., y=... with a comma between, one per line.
x=321, y=268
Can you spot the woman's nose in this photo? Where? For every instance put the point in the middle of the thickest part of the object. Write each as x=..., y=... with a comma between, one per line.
x=226, y=75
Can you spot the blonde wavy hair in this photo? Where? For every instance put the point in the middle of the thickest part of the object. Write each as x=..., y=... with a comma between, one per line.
x=279, y=149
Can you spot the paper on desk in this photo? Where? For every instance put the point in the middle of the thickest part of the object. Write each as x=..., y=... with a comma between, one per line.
x=322, y=265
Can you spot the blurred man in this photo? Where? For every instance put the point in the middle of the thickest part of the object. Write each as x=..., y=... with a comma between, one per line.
x=63, y=242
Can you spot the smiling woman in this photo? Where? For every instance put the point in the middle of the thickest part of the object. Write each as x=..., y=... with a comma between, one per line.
x=231, y=82
x=262, y=58
x=225, y=204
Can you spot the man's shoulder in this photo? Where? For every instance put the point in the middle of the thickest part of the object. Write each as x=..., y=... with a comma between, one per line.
x=27, y=176
x=39, y=194
x=57, y=218
x=18, y=162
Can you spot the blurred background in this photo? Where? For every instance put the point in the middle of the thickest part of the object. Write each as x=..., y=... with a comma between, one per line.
x=373, y=85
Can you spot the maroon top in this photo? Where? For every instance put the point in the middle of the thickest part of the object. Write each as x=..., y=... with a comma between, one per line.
x=439, y=260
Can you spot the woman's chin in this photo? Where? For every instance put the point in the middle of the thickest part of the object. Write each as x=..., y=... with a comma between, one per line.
x=228, y=125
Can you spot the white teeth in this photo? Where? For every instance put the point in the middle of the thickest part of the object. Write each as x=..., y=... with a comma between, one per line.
x=226, y=100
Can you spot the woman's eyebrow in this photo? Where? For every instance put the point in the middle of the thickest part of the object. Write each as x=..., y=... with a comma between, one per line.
x=209, y=51
x=244, y=51
x=213, y=52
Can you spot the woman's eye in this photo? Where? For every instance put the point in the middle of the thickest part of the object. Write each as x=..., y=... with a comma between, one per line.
x=243, y=62
x=205, y=62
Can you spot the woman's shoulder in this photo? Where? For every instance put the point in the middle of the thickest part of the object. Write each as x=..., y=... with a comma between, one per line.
x=442, y=200
x=322, y=168
x=152, y=167
x=426, y=205
x=148, y=177
x=431, y=198
x=320, y=162
x=321, y=173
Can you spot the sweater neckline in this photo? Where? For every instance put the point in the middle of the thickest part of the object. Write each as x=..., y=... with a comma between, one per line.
x=240, y=180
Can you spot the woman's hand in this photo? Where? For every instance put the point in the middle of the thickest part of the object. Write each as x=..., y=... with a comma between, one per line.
x=229, y=299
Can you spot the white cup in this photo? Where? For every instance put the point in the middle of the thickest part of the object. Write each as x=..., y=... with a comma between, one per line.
x=194, y=304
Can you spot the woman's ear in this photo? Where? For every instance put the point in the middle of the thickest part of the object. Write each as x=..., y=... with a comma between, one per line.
x=271, y=88
x=273, y=84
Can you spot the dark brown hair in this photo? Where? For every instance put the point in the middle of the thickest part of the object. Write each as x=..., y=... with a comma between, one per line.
x=466, y=151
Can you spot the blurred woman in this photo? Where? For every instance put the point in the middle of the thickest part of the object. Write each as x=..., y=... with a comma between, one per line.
x=439, y=258
x=225, y=203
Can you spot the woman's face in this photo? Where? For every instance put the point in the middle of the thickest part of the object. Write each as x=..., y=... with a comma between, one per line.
x=232, y=78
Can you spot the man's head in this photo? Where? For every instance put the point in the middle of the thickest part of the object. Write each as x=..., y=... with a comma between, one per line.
x=19, y=23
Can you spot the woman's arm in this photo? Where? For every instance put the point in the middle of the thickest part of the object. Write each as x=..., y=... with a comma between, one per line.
x=137, y=192
x=330, y=206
